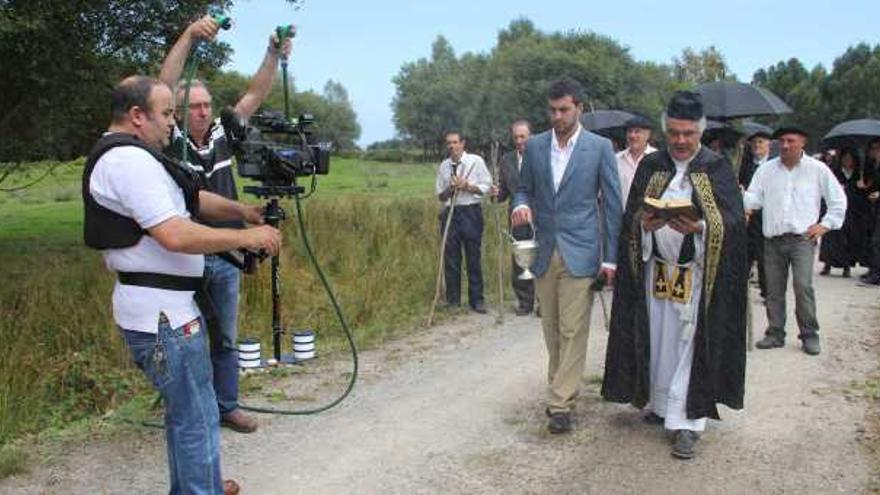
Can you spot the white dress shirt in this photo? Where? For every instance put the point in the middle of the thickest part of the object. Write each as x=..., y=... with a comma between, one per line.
x=626, y=169
x=560, y=155
x=470, y=167
x=791, y=198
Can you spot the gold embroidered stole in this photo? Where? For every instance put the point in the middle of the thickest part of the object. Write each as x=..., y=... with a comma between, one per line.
x=714, y=235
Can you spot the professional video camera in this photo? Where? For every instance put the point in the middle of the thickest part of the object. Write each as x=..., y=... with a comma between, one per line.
x=276, y=162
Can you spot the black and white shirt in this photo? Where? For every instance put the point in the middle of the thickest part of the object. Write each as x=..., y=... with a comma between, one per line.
x=213, y=162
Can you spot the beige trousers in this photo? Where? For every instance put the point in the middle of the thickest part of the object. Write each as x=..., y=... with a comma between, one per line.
x=566, y=303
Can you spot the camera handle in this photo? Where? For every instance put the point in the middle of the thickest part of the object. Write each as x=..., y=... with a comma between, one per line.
x=284, y=32
x=273, y=216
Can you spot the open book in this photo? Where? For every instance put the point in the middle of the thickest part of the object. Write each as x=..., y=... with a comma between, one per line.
x=669, y=208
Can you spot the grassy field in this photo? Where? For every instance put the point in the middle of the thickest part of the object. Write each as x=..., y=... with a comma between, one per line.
x=373, y=226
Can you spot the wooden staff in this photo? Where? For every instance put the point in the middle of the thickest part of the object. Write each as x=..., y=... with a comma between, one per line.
x=496, y=178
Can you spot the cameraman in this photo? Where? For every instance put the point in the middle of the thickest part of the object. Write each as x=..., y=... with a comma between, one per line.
x=210, y=155
x=138, y=205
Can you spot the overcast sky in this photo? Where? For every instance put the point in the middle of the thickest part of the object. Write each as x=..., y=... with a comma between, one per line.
x=364, y=44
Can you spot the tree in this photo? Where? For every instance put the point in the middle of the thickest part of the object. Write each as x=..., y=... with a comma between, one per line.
x=694, y=68
x=481, y=94
x=62, y=57
x=335, y=118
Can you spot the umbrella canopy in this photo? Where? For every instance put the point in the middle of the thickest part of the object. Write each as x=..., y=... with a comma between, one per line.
x=852, y=134
x=604, y=120
x=727, y=133
x=725, y=100
x=751, y=128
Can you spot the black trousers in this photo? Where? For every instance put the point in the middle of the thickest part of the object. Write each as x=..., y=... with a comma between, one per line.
x=524, y=289
x=756, y=249
x=465, y=232
x=874, y=259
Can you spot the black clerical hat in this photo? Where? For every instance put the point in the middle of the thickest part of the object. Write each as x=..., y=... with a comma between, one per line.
x=790, y=129
x=685, y=105
x=639, y=122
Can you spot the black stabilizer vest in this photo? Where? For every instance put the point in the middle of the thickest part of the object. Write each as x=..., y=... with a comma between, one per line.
x=106, y=229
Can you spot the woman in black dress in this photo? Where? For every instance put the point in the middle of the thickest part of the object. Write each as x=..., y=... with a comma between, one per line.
x=845, y=247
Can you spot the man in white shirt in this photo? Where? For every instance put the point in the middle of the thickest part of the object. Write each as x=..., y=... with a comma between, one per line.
x=789, y=190
x=464, y=179
x=138, y=208
x=638, y=133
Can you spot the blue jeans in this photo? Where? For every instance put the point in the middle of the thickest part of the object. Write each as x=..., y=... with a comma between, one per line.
x=223, y=281
x=176, y=362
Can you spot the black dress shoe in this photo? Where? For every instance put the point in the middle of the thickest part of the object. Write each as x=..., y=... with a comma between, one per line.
x=770, y=341
x=653, y=418
x=683, y=444
x=560, y=422
x=479, y=308
x=825, y=270
x=811, y=345
x=846, y=273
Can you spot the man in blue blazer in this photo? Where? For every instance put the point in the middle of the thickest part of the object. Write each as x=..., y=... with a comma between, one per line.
x=568, y=175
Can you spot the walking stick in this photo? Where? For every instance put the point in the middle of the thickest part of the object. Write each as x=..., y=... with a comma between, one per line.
x=499, y=319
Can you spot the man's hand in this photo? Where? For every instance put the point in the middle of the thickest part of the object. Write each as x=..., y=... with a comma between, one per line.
x=203, y=29
x=608, y=274
x=494, y=191
x=262, y=238
x=874, y=196
x=521, y=216
x=462, y=184
x=253, y=214
x=280, y=49
x=652, y=222
x=685, y=225
x=748, y=215
x=816, y=231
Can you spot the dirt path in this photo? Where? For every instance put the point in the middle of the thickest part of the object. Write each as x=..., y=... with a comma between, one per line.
x=457, y=410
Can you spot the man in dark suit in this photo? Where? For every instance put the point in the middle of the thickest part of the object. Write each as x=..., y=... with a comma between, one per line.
x=511, y=164
x=563, y=172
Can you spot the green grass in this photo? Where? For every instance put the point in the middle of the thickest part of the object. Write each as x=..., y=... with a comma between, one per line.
x=374, y=229
x=51, y=211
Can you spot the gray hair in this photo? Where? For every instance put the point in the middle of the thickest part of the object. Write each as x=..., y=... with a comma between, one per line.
x=702, y=123
x=181, y=87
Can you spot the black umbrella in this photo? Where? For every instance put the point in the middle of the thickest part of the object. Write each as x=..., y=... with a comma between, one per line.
x=609, y=123
x=750, y=128
x=852, y=134
x=728, y=134
x=725, y=100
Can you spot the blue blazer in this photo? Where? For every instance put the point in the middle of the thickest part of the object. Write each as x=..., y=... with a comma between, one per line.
x=568, y=219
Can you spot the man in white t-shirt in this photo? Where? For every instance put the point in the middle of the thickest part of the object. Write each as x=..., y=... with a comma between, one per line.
x=138, y=209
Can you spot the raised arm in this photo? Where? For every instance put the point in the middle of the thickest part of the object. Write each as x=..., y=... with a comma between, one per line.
x=261, y=83
x=172, y=68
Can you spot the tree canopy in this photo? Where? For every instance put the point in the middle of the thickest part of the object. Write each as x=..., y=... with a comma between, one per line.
x=481, y=94
x=61, y=58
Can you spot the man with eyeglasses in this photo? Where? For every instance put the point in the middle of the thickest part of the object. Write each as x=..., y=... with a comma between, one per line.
x=209, y=154
x=677, y=338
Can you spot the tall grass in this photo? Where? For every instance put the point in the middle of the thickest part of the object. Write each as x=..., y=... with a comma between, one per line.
x=62, y=359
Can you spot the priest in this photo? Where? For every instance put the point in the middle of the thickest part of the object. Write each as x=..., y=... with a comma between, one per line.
x=678, y=325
